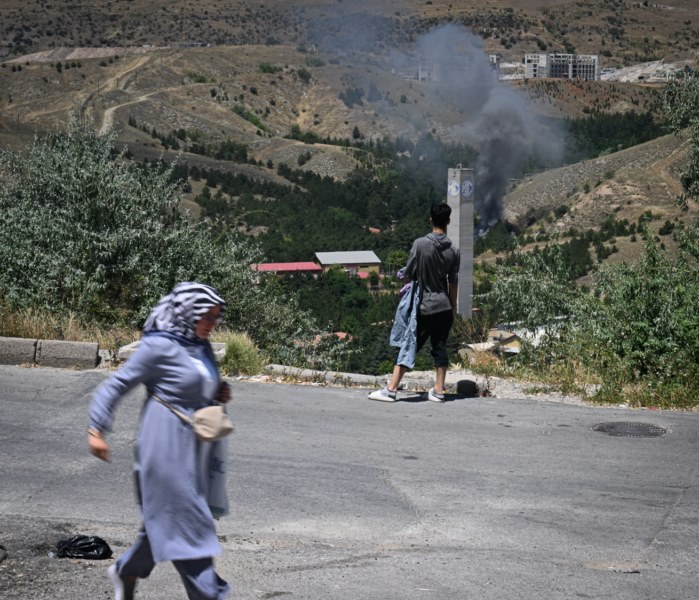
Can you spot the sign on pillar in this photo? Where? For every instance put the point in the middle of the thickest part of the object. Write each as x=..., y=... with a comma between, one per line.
x=460, y=198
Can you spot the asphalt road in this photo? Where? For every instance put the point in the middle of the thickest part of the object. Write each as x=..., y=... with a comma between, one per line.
x=338, y=497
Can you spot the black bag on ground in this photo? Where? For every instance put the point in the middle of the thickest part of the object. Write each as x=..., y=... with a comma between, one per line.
x=84, y=546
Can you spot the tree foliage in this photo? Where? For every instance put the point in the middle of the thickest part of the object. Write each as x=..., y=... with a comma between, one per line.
x=635, y=331
x=84, y=231
x=602, y=133
x=681, y=101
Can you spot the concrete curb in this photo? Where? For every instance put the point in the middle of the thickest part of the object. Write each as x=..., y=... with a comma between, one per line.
x=411, y=382
x=17, y=351
x=49, y=353
x=329, y=377
x=85, y=355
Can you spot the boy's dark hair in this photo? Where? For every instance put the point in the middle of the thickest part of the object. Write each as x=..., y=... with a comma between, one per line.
x=440, y=214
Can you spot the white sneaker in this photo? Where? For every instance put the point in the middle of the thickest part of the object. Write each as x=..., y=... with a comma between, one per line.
x=434, y=396
x=123, y=590
x=383, y=395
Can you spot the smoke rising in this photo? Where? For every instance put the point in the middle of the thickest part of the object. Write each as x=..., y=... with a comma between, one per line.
x=497, y=120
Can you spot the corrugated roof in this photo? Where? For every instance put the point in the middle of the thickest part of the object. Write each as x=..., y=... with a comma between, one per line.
x=359, y=257
x=286, y=267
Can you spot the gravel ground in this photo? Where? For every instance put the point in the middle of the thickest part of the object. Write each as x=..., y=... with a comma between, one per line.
x=29, y=572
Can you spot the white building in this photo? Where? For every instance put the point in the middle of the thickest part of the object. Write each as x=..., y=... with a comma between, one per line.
x=361, y=261
x=562, y=66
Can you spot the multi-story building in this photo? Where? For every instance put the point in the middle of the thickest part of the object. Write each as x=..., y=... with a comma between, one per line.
x=562, y=66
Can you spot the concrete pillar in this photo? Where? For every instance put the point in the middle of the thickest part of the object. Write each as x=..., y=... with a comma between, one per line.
x=460, y=197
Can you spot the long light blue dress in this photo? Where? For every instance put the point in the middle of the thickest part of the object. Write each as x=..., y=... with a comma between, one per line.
x=171, y=486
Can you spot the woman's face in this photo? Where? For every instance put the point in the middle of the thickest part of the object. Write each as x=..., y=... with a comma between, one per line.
x=208, y=321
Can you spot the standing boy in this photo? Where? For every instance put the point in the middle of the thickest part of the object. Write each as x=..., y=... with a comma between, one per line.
x=434, y=264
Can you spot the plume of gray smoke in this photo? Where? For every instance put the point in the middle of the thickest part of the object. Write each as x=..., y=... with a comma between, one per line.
x=507, y=137
x=497, y=120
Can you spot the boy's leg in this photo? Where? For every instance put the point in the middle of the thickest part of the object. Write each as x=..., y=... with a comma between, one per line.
x=439, y=333
x=396, y=376
x=440, y=376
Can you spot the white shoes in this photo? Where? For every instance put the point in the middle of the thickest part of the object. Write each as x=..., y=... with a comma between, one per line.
x=386, y=395
x=435, y=396
x=383, y=395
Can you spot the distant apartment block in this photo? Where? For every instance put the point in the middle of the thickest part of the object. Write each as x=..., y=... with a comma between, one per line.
x=562, y=66
x=416, y=71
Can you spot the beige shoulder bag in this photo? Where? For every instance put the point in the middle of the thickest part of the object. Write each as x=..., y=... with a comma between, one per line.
x=210, y=423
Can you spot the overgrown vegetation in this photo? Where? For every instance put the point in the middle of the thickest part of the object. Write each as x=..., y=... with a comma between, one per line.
x=634, y=333
x=83, y=232
x=242, y=356
x=682, y=106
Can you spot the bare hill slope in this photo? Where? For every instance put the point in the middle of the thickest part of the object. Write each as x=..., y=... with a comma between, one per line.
x=624, y=184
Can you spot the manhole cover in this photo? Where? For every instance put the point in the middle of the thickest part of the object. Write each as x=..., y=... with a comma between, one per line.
x=630, y=429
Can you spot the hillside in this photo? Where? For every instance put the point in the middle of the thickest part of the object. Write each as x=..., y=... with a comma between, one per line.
x=622, y=185
x=255, y=95
x=623, y=31
x=258, y=73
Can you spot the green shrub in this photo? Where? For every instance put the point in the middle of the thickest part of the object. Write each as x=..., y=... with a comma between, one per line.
x=314, y=61
x=241, y=111
x=242, y=356
x=681, y=102
x=269, y=68
x=635, y=333
x=197, y=77
x=84, y=231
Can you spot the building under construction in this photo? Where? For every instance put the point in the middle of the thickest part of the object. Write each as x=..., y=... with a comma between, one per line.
x=420, y=70
x=562, y=66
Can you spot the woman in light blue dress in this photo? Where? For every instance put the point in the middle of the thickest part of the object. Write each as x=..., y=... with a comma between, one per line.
x=175, y=362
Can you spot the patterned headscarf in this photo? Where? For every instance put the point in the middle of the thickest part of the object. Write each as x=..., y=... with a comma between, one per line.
x=178, y=312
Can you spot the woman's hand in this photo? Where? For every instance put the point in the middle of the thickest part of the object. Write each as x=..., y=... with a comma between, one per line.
x=98, y=447
x=224, y=393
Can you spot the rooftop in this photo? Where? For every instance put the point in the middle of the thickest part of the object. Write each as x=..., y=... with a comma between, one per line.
x=287, y=267
x=364, y=257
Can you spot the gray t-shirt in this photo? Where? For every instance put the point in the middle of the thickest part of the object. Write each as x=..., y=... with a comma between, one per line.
x=435, y=264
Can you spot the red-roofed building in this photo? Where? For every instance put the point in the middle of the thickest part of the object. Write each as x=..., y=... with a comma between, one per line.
x=286, y=268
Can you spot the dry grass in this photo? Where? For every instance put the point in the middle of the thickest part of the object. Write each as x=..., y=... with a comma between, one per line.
x=242, y=355
x=43, y=325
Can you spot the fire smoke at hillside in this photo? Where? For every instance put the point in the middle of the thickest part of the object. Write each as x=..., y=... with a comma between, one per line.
x=497, y=120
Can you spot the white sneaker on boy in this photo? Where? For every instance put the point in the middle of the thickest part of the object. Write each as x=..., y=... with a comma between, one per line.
x=383, y=395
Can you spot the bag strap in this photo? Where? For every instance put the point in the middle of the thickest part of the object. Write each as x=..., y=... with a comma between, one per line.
x=179, y=413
